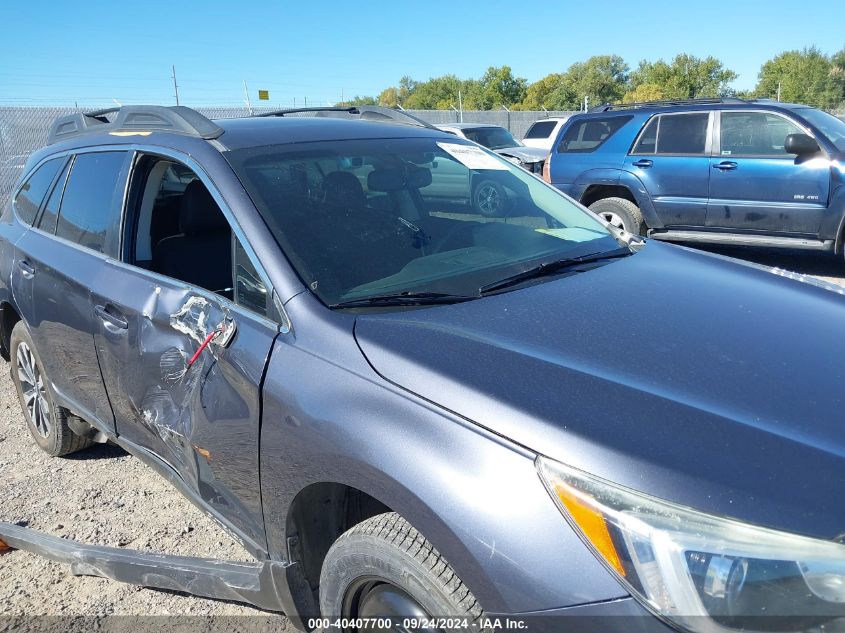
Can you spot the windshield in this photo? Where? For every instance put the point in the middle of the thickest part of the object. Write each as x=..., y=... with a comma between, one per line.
x=491, y=137
x=364, y=218
x=829, y=125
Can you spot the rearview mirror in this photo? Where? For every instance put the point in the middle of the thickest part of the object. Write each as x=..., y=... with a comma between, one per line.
x=800, y=144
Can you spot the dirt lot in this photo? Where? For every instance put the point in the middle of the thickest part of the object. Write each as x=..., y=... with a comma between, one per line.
x=104, y=496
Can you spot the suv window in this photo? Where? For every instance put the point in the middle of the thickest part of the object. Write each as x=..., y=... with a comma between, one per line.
x=47, y=222
x=674, y=134
x=29, y=197
x=88, y=203
x=755, y=134
x=590, y=134
x=541, y=129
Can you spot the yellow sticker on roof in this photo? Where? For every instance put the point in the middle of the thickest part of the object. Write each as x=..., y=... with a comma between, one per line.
x=130, y=133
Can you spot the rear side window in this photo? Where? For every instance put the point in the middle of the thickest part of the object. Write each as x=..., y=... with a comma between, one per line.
x=29, y=197
x=47, y=222
x=674, y=134
x=88, y=204
x=590, y=134
x=541, y=129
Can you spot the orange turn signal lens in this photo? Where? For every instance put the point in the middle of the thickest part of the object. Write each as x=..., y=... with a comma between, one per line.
x=3, y=547
x=592, y=524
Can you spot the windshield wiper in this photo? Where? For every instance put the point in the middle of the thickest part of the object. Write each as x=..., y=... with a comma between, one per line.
x=404, y=299
x=552, y=268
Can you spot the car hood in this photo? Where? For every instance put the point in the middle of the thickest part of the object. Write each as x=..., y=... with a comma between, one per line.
x=689, y=376
x=525, y=154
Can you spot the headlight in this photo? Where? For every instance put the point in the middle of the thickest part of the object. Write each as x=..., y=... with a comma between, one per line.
x=702, y=572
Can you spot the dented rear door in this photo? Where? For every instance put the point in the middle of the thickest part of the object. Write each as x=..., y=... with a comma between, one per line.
x=201, y=419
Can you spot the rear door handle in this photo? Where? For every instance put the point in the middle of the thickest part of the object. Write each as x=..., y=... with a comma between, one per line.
x=107, y=315
x=643, y=162
x=27, y=269
x=725, y=165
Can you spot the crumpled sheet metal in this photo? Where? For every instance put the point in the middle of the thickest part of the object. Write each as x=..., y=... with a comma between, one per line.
x=260, y=584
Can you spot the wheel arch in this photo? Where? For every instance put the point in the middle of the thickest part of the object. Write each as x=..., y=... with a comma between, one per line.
x=9, y=316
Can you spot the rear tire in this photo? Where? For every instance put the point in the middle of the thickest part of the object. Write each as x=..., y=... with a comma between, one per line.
x=383, y=567
x=46, y=421
x=621, y=213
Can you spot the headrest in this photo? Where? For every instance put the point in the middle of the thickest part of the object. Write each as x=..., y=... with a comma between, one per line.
x=199, y=212
x=396, y=179
x=343, y=189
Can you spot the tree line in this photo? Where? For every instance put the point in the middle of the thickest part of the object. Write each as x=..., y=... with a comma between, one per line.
x=802, y=76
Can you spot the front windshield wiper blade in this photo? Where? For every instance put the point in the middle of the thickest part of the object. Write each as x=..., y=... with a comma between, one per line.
x=552, y=268
x=403, y=299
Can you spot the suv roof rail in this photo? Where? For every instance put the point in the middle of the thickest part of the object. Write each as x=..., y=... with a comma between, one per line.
x=668, y=102
x=363, y=112
x=135, y=118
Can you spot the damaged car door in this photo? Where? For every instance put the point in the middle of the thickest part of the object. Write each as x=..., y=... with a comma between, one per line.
x=182, y=354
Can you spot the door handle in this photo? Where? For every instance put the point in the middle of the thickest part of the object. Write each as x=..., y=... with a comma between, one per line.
x=27, y=269
x=725, y=165
x=643, y=163
x=110, y=318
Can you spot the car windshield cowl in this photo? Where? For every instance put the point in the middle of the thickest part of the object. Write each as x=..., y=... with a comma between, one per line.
x=407, y=298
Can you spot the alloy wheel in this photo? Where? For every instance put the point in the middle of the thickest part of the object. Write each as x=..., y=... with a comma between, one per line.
x=612, y=219
x=489, y=200
x=34, y=392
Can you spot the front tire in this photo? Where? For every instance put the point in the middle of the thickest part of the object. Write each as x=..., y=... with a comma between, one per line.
x=46, y=421
x=621, y=213
x=383, y=567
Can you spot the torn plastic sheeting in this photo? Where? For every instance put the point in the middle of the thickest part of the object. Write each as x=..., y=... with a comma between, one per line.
x=256, y=583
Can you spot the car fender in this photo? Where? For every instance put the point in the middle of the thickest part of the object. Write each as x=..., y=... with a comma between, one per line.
x=638, y=190
x=833, y=222
x=474, y=495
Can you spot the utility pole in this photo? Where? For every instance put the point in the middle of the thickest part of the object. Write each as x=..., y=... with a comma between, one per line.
x=175, y=85
x=461, y=106
x=341, y=98
x=246, y=94
x=778, y=91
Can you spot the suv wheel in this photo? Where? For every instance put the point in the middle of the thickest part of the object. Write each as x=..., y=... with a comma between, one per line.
x=46, y=422
x=384, y=568
x=621, y=213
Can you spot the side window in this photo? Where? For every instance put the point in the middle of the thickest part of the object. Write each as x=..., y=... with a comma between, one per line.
x=648, y=139
x=47, y=222
x=89, y=204
x=541, y=129
x=682, y=133
x=29, y=196
x=590, y=134
x=755, y=134
x=250, y=290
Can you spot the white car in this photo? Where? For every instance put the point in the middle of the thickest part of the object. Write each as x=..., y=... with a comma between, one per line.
x=501, y=141
x=543, y=133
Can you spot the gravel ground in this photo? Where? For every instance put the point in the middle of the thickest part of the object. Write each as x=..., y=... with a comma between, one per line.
x=104, y=496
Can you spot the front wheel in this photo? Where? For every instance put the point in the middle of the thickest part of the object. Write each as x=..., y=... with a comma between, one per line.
x=490, y=199
x=46, y=421
x=384, y=569
x=621, y=213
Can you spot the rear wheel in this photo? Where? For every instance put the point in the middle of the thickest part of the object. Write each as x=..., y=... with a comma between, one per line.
x=46, y=421
x=383, y=568
x=621, y=213
x=490, y=199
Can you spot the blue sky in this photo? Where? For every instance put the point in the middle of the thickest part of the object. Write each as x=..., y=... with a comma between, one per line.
x=65, y=52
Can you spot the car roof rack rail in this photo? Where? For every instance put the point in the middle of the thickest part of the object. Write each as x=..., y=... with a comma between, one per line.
x=362, y=112
x=135, y=118
x=668, y=102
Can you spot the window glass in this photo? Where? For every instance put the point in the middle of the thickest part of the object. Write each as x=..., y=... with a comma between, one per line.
x=29, y=196
x=682, y=133
x=832, y=127
x=541, y=129
x=648, y=139
x=250, y=290
x=51, y=209
x=88, y=204
x=755, y=134
x=491, y=137
x=587, y=135
x=361, y=218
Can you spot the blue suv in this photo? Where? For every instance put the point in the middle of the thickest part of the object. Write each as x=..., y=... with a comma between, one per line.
x=721, y=171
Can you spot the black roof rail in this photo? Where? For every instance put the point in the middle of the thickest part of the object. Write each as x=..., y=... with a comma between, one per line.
x=668, y=102
x=135, y=118
x=362, y=112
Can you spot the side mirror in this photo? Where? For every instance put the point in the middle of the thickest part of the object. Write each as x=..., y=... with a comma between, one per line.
x=801, y=145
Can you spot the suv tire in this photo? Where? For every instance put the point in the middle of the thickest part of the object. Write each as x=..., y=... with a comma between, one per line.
x=621, y=213
x=383, y=561
x=46, y=421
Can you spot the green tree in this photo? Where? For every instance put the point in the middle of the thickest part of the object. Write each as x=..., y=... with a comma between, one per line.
x=685, y=77
x=602, y=78
x=438, y=93
x=497, y=87
x=538, y=94
x=806, y=76
x=361, y=100
x=389, y=97
x=644, y=92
